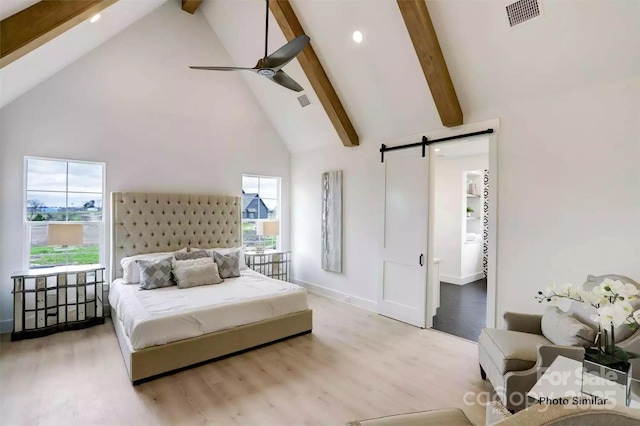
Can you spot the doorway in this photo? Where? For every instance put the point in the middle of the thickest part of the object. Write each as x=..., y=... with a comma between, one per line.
x=409, y=286
x=460, y=221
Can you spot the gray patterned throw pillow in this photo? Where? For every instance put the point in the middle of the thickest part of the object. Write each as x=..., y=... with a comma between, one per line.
x=198, y=254
x=228, y=264
x=155, y=274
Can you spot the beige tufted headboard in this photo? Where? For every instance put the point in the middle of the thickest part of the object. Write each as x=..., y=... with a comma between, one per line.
x=146, y=223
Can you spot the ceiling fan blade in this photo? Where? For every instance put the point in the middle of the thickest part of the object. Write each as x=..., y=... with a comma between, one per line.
x=286, y=53
x=223, y=68
x=284, y=80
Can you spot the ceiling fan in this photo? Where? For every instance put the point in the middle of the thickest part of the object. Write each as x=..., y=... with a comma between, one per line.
x=271, y=65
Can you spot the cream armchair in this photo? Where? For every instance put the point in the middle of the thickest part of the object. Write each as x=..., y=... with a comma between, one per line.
x=556, y=415
x=514, y=358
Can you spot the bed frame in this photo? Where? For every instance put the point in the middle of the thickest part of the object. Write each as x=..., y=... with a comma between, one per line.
x=149, y=222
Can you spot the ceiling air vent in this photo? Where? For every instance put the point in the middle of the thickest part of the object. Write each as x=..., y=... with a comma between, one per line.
x=304, y=101
x=522, y=11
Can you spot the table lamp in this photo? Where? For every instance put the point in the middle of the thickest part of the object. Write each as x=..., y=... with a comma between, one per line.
x=65, y=235
x=268, y=228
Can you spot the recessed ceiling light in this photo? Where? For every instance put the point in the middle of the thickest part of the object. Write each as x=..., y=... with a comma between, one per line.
x=437, y=150
x=94, y=18
x=357, y=36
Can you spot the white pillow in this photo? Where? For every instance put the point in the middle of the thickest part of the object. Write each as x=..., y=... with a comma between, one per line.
x=196, y=272
x=227, y=250
x=131, y=271
x=176, y=264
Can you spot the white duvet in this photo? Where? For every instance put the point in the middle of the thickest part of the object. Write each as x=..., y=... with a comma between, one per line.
x=164, y=315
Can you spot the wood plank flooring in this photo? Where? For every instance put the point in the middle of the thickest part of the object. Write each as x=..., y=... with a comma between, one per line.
x=356, y=364
x=463, y=309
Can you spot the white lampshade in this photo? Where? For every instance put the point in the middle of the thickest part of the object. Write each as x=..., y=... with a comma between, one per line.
x=268, y=228
x=65, y=234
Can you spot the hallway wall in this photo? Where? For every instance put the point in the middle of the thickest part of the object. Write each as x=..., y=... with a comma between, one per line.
x=458, y=265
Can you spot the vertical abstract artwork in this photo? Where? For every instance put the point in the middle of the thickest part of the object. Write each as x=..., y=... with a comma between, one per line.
x=332, y=221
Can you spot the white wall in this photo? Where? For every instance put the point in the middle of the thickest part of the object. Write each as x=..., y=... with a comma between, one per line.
x=569, y=189
x=568, y=197
x=361, y=215
x=449, y=208
x=135, y=105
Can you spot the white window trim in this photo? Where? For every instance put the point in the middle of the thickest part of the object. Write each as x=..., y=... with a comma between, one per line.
x=26, y=240
x=278, y=205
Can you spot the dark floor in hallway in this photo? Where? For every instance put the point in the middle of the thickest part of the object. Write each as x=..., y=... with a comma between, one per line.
x=463, y=309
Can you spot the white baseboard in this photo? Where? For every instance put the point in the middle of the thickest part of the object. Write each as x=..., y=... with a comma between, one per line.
x=360, y=302
x=6, y=326
x=461, y=280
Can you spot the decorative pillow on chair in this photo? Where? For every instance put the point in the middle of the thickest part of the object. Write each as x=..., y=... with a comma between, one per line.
x=196, y=272
x=228, y=264
x=155, y=273
x=563, y=329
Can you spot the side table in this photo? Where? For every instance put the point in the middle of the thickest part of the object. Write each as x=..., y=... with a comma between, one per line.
x=272, y=263
x=561, y=384
x=50, y=300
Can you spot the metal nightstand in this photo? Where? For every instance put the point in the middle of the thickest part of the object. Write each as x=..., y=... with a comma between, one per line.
x=273, y=264
x=46, y=301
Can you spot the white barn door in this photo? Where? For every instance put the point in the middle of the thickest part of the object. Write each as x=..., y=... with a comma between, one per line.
x=402, y=293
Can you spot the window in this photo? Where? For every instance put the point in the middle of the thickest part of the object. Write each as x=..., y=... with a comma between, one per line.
x=59, y=191
x=260, y=203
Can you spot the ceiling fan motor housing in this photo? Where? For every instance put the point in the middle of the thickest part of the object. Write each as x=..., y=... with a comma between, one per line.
x=267, y=72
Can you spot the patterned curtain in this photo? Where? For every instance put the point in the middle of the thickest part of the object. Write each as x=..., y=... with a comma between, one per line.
x=485, y=223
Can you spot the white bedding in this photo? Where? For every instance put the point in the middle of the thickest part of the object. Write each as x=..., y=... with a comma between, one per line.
x=164, y=315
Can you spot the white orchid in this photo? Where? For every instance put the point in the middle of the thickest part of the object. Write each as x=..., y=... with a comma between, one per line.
x=628, y=291
x=611, y=300
x=549, y=290
x=610, y=287
x=562, y=290
x=615, y=314
x=565, y=288
x=593, y=298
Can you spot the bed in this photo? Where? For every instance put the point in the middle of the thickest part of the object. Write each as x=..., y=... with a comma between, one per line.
x=167, y=329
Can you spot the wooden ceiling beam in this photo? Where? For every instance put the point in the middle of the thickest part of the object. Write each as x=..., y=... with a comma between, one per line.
x=425, y=42
x=36, y=25
x=190, y=5
x=291, y=27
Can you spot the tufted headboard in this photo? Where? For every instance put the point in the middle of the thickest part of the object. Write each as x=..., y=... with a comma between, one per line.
x=146, y=223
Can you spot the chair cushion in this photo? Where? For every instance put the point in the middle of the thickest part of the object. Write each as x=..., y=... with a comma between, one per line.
x=445, y=417
x=511, y=350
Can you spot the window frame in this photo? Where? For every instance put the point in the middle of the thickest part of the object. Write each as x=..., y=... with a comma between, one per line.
x=278, y=205
x=28, y=224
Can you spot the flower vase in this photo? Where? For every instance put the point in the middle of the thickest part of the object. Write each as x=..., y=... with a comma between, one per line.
x=605, y=369
x=606, y=352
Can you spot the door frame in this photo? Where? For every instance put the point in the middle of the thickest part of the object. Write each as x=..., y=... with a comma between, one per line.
x=492, y=275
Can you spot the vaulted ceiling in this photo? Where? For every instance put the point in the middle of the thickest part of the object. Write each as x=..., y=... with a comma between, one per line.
x=380, y=81
x=32, y=69
x=574, y=44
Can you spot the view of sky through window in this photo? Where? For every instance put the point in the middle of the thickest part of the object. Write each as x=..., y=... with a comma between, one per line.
x=63, y=191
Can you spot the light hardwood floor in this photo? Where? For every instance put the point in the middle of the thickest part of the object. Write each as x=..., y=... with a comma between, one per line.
x=356, y=364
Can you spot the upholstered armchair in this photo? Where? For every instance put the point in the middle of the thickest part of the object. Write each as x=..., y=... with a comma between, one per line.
x=514, y=358
x=537, y=415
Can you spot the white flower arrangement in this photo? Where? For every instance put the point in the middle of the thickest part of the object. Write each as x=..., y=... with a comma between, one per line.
x=611, y=300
